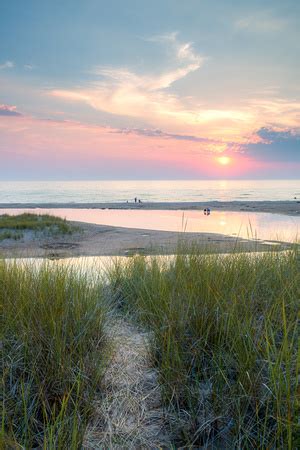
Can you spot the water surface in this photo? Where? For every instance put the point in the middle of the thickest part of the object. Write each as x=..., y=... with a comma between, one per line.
x=265, y=226
x=149, y=190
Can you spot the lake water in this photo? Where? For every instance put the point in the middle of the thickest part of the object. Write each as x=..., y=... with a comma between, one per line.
x=264, y=226
x=154, y=191
x=97, y=267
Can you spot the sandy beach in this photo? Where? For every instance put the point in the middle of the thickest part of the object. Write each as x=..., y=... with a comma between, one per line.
x=98, y=240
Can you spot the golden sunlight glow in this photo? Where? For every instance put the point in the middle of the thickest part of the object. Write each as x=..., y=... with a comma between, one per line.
x=224, y=160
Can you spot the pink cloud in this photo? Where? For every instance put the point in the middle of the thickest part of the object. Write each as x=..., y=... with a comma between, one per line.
x=9, y=110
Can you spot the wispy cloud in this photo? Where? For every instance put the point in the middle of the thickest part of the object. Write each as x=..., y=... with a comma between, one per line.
x=277, y=111
x=151, y=97
x=122, y=91
x=181, y=52
x=7, y=65
x=261, y=22
x=29, y=66
x=162, y=134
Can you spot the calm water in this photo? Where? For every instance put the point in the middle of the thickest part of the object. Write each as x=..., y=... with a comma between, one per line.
x=97, y=267
x=156, y=191
x=253, y=225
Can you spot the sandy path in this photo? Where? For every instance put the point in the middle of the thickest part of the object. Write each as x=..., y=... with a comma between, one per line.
x=129, y=414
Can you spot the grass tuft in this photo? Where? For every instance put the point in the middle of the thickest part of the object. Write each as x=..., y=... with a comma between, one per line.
x=14, y=226
x=54, y=354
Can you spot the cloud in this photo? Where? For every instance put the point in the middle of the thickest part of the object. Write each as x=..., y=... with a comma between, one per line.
x=271, y=135
x=62, y=147
x=182, y=52
x=122, y=91
x=7, y=65
x=192, y=144
x=260, y=23
x=276, y=146
x=150, y=98
x=276, y=112
x=8, y=110
x=29, y=66
x=161, y=134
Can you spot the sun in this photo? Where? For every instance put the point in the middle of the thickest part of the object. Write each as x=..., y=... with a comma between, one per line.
x=224, y=160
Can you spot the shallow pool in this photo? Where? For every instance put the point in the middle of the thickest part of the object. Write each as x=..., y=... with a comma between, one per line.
x=252, y=225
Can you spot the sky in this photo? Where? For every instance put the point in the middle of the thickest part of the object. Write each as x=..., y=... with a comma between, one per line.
x=167, y=89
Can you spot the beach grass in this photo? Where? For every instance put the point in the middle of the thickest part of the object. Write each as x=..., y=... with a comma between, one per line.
x=54, y=351
x=222, y=333
x=16, y=235
x=225, y=340
x=12, y=227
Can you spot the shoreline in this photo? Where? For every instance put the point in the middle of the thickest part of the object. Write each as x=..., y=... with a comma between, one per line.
x=287, y=207
x=102, y=240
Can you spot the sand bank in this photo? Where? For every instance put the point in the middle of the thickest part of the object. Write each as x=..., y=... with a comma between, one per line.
x=100, y=240
x=281, y=207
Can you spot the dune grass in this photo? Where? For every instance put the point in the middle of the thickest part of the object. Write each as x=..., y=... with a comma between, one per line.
x=16, y=235
x=54, y=354
x=224, y=338
x=13, y=226
x=225, y=341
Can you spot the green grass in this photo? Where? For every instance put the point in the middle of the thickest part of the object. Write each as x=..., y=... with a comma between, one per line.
x=54, y=354
x=224, y=339
x=14, y=225
x=16, y=235
x=225, y=342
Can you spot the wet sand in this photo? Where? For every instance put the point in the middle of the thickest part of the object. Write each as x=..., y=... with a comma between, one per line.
x=101, y=240
x=291, y=208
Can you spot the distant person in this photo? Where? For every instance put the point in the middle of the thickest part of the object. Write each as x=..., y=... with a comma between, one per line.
x=135, y=199
x=140, y=201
